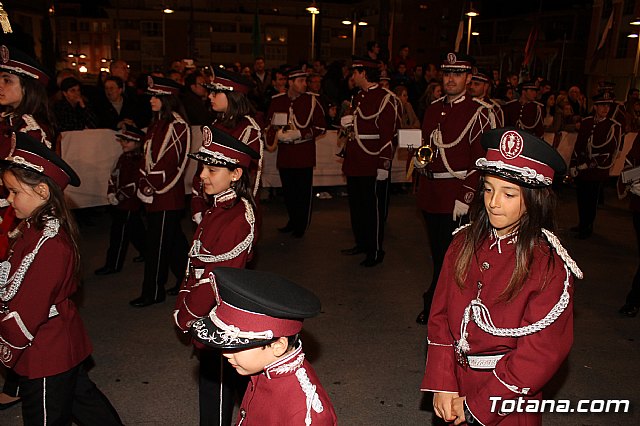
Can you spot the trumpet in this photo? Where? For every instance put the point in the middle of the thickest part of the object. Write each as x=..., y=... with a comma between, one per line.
x=423, y=156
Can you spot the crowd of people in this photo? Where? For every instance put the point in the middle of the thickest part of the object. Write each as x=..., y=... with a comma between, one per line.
x=484, y=182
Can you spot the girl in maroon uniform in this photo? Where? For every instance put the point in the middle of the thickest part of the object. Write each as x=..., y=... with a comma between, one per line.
x=224, y=237
x=501, y=322
x=42, y=337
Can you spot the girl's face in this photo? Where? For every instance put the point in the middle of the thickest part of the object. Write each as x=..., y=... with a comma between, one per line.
x=219, y=101
x=156, y=104
x=127, y=145
x=437, y=92
x=11, y=91
x=504, y=204
x=23, y=198
x=250, y=361
x=404, y=97
x=551, y=101
x=216, y=179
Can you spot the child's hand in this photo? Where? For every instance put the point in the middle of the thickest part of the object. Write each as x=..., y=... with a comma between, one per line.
x=442, y=405
x=457, y=409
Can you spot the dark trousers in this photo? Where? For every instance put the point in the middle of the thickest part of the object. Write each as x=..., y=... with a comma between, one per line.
x=297, y=188
x=219, y=387
x=368, y=206
x=440, y=228
x=587, y=192
x=59, y=399
x=11, y=383
x=383, y=189
x=167, y=248
x=126, y=225
x=633, y=298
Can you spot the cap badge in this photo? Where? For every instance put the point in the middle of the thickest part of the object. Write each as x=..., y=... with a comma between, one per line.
x=4, y=54
x=511, y=145
x=149, y=81
x=207, y=136
x=451, y=58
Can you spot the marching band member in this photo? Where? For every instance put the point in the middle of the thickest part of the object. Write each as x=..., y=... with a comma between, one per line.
x=296, y=147
x=452, y=126
x=161, y=189
x=375, y=120
x=224, y=237
x=599, y=141
x=501, y=323
x=525, y=113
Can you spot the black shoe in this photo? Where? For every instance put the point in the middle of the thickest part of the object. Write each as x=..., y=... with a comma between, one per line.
x=138, y=259
x=141, y=302
x=373, y=260
x=9, y=404
x=352, y=251
x=286, y=229
x=629, y=310
x=105, y=270
x=173, y=291
x=422, y=318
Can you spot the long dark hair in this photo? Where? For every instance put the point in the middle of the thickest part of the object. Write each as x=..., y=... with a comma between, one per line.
x=170, y=104
x=55, y=207
x=540, y=206
x=238, y=106
x=242, y=186
x=34, y=102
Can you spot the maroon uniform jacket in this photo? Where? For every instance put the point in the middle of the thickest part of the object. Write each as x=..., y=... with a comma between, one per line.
x=496, y=112
x=527, y=116
x=41, y=333
x=597, y=147
x=247, y=131
x=161, y=179
x=307, y=115
x=461, y=124
x=632, y=160
x=529, y=361
x=287, y=392
x=25, y=123
x=376, y=119
x=123, y=182
x=224, y=237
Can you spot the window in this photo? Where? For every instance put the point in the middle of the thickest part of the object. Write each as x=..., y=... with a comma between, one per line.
x=223, y=27
x=83, y=26
x=246, y=28
x=275, y=53
x=201, y=29
x=151, y=28
x=276, y=35
x=131, y=45
x=128, y=24
x=151, y=49
x=246, y=49
x=224, y=47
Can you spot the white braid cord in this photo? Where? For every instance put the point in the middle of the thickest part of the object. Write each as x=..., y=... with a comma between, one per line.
x=309, y=118
x=32, y=124
x=610, y=136
x=244, y=245
x=521, y=125
x=358, y=113
x=10, y=286
x=313, y=401
x=436, y=138
x=165, y=147
x=477, y=312
x=244, y=137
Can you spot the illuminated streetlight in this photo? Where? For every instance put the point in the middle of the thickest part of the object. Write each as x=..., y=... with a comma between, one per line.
x=313, y=10
x=472, y=13
x=354, y=25
x=635, y=22
x=166, y=11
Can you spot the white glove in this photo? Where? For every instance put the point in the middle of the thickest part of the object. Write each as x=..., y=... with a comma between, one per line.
x=197, y=218
x=383, y=174
x=635, y=188
x=288, y=135
x=460, y=209
x=144, y=198
x=346, y=120
x=583, y=166
x=113, y=200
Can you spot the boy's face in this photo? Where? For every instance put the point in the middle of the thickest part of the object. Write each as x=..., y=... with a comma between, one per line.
x=251, y=361
x=127, y=145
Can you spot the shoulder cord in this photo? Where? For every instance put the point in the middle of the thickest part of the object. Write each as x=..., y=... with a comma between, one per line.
x=244, y=245
x=171, y=133
x=244, y=137
x=295, y=120
x=10, y=286
x=611, y=135
x=313, y=401
x=436, y=138
x=479, y=313
x=359, y=113
x=535, y=123
x=32, y=124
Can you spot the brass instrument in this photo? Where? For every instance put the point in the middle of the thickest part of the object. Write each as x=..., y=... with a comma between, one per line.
x=422, y=157
x=345, y=134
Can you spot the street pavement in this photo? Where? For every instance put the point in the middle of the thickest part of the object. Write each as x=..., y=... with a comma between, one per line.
x=365, y=345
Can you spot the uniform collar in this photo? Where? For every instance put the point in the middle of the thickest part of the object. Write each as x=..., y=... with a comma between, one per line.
x=373, y=86
x=497, y=241
x=226, y=197
x=461, y=97
x=286, y=365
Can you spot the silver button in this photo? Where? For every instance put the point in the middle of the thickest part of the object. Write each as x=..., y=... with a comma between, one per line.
x=479, y=285
x=485, y=265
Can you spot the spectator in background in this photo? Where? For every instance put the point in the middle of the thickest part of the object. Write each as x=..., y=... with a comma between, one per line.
x=114, y=111
x=73, y=112
x=578, y=101
x=373, y=49
x=503, y=94
x=403, y=56
x=545, y=87
x=195, y=99
x=175, y=76
x=431, y=73
x=319, y=67
x=262, y=79
x=246, y=72
x=431, y=93
x=495, y=82
x=278, y=85
x=548, y=100
x=408, y=118
x=334, y=85
x=632, y=122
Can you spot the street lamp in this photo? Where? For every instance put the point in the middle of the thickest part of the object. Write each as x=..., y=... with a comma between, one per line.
x=165, y=12
x=354, y=23
x=635, y=22
x=472, y=13
x=313, y=10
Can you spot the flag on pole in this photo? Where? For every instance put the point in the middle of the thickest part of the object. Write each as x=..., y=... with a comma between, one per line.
x=606, y=30
x=459, y=36
x=530, y=46
x=391, y=24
